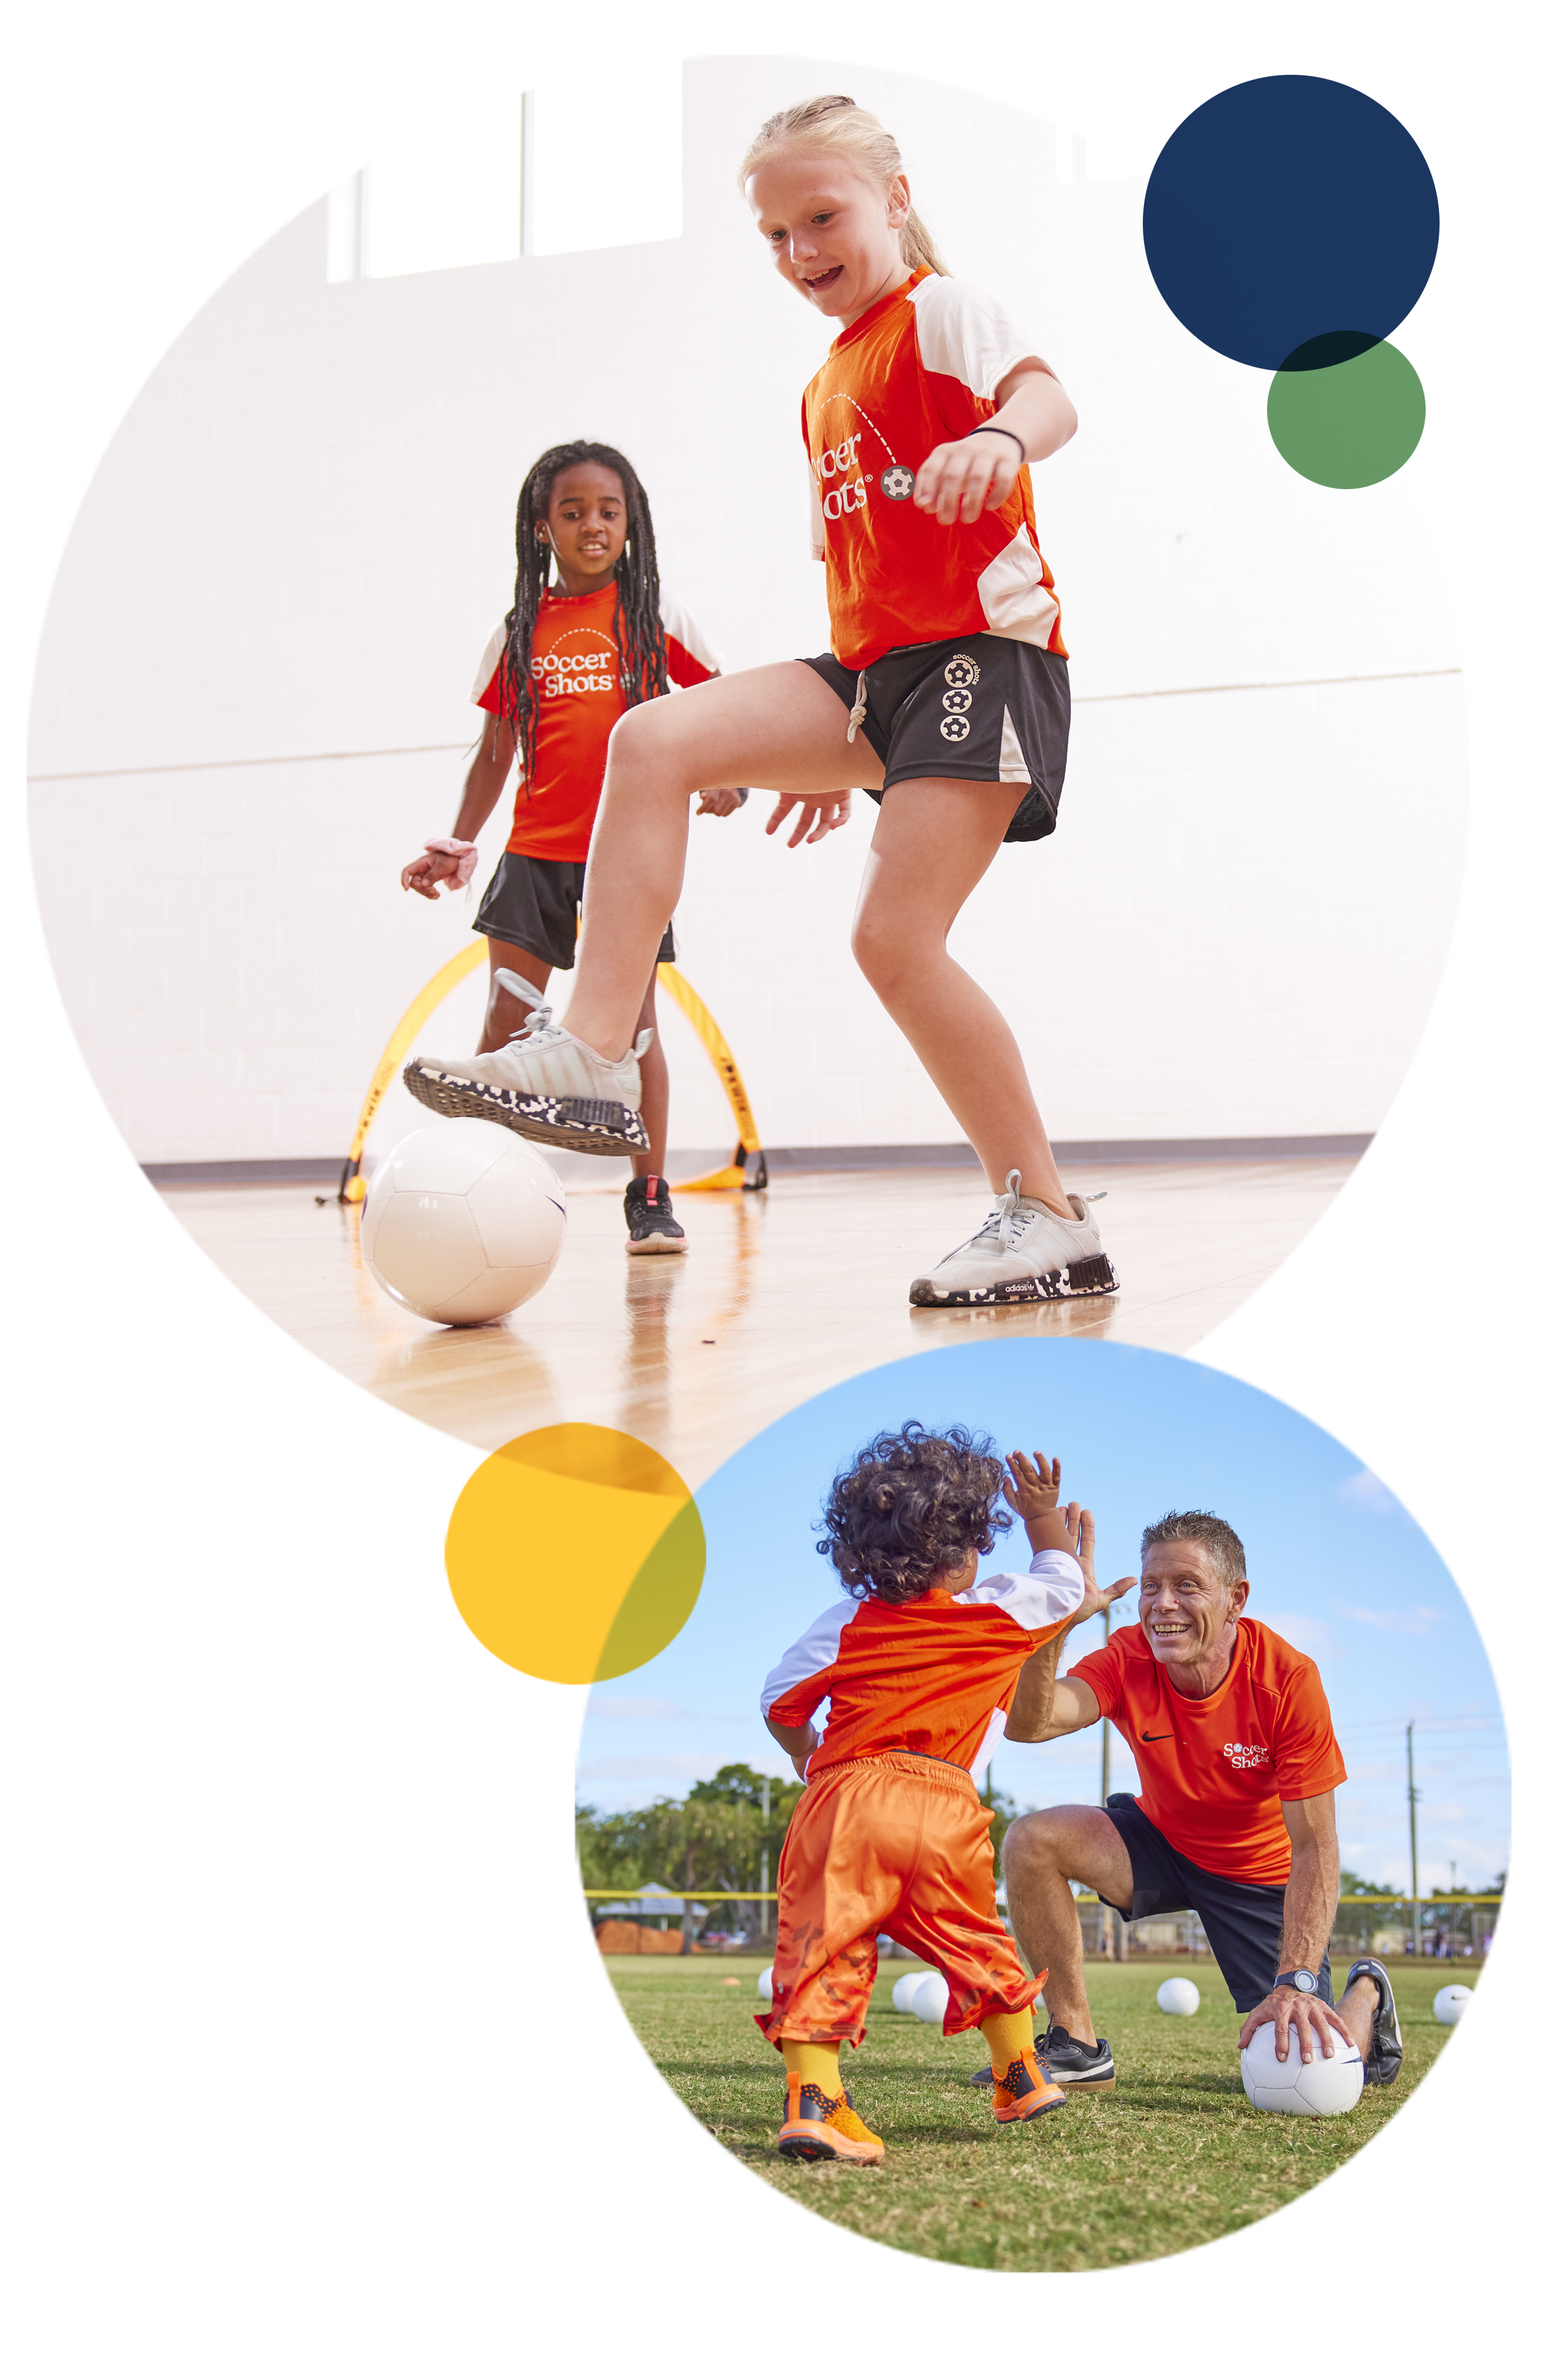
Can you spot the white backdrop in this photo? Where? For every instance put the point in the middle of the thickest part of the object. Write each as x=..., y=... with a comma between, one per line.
x=280, y=584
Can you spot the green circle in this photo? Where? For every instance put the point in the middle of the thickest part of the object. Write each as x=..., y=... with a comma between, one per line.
x=1350, y=425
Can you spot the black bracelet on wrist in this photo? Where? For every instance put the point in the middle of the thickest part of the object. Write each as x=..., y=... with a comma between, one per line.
x=1022, y=453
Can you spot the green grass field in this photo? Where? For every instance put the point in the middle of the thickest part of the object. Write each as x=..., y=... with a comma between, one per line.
x=1174, y=2156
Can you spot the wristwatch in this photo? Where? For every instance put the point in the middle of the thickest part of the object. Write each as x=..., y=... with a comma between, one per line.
x=1304, y=1980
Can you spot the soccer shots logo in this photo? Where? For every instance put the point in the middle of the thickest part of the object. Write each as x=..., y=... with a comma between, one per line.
x=1243, y=1753
x=834, y=465
x=557, y=673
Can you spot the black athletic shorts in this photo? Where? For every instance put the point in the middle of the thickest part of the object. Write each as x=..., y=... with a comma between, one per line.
x=534, y=903
x=1241, y=1920
x=987, y=707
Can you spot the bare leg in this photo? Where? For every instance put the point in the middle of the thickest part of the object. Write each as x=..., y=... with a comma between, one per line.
x=503, y=1011
x=654, y=1091
x=935, y=837
x=1358, y=2009
x=781, y=727
x=1040, y=1855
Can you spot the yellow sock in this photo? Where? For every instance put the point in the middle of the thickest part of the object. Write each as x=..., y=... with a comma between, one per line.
x=815, y=2063
x=1007, y=2039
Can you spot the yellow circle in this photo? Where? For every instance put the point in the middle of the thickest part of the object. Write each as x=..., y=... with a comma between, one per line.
x=575, y=1552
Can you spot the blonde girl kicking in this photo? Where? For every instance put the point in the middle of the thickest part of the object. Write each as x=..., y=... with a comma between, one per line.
x=946, y=694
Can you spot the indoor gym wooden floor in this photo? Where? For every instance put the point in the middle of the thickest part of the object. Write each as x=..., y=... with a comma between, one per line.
x=791, y=1291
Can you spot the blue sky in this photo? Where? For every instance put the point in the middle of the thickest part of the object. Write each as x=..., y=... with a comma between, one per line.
x=1336, y=1565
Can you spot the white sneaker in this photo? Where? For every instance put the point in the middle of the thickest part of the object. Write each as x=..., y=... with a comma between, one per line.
x=544, y=1083
x=1024, y=1251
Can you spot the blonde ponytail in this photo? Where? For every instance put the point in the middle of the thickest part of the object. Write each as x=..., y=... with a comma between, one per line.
x=841, y=127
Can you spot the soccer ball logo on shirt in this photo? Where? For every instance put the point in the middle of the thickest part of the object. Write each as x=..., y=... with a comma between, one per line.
x=1242, y=1754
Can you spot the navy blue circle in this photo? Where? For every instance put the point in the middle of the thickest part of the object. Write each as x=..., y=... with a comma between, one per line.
x=1289, y=209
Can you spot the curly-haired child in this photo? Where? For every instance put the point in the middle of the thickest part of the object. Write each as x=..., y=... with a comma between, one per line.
x=892, y=1833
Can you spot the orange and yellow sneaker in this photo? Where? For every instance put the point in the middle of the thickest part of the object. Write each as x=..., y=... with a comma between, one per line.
x=1430, y=1215
x=1026, y=2092
x=818, y=2124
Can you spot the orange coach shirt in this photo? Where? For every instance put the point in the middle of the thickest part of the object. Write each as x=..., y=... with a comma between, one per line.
x=1212, y=1772
x=576, y=676
x=927, y=1675
x=920, y=368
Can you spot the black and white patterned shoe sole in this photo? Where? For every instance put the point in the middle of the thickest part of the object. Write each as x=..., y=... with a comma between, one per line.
x=575, y=1123
x=1087, y=1280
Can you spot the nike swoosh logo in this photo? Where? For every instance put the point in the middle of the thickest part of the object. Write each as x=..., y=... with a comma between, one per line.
x=1159, y=1736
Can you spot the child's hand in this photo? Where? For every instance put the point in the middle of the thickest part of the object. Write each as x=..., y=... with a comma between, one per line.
x=960, y=481
x=820, y=812
x=721, y=800
x=426, y=874
x=1033, y=1488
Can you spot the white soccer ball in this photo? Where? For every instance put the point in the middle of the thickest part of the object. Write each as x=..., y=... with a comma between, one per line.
x=929, y=2003
x=1178, y=1998
x=765, y=1985
x=462, y=1221
x=904, y=1989
x=1293, y=2087
x=1448, y=2007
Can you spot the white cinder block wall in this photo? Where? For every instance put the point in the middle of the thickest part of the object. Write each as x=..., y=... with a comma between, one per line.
x=252, y=694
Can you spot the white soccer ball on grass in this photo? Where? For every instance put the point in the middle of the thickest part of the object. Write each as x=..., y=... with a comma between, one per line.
x=1178, y=1998
x=1448, y=2007
x=1293, y=2086
x=929, y=2001
x=765, y=1985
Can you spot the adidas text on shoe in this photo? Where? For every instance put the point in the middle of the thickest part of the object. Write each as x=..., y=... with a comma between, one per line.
x=1386, y=2057
x=1026, y=2092
x=1430, y=1215
x=650, y=1221
x=543, y=1084
x=1022, y=1254
x=817, y=2125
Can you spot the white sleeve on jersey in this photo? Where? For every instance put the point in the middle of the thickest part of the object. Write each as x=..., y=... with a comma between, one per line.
x=962, y=333
x=817, y=1648
x=1052, y=1589
x=491, y=661
x=677, y=622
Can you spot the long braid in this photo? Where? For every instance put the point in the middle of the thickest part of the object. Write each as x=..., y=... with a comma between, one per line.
x=639, y=632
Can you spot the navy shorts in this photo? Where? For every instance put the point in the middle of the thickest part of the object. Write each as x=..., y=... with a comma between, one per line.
x=534, y=903
x=989, y=708
x=1241, y=1920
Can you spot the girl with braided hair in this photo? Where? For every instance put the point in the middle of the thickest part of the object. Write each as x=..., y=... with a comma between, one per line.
x=568, y=659
x=944, y=695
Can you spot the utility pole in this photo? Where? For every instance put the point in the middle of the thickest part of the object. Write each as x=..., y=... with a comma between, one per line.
x=1412, y=1793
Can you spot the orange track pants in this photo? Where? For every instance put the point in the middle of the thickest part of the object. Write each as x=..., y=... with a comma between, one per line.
x=894, y=1843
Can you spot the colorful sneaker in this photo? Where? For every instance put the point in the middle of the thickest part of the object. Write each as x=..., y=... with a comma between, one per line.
x=1023, y=1252
x=650, y=1220
x=816, y=2127
x=1075, y=2066
x=1026, y=2092
x=1432, y=1213
x=1387, y=2055
x=544, y=1083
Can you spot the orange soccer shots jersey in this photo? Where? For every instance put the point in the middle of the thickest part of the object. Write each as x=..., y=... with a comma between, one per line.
x=921, y=367
x=576, y=671
x=928, y=1675
x=1212, y=1772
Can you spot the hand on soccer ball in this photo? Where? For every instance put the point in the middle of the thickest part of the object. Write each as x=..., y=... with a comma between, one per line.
x=1311, y=2017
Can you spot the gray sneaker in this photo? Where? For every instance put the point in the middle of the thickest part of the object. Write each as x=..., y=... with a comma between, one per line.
x=1387, y=2056
x=1023, y=1252
x=544, y=1083
x=1083, y=2066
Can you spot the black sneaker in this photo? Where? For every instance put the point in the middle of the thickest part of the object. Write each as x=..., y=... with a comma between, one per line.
x=1086, y=2066
x=1387, y=2056
x=650, y=1221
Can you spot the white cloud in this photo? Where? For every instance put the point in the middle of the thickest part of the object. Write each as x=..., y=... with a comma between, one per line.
x=1422, y=1619
x=1308, y=1634
x=1367, y=1491
x=620, y=1709
x=685, y=1766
